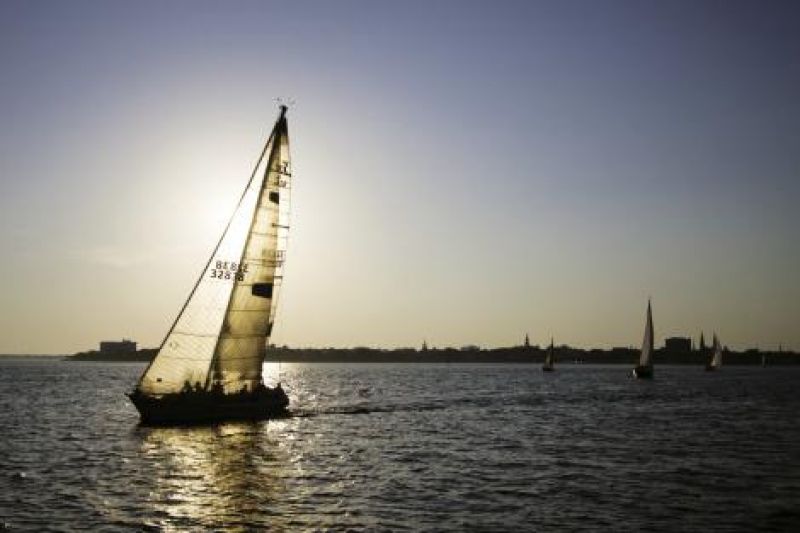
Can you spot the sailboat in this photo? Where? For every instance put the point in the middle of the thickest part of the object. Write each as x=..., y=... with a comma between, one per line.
x=209, y=366
x=645, y=367
x=716, y=358
x=549, y=359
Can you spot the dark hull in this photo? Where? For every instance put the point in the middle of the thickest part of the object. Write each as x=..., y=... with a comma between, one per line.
x=546, y=368
x=710, y=368
x=643, y=372
x=199, y=408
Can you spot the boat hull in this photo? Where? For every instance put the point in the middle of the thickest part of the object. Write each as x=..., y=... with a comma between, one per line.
x=199, y=408
x=546, y=368
x=643, y=372
x=710, y=368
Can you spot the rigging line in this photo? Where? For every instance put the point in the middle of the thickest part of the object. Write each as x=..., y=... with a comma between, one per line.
x=276, y=136
x=219, y=242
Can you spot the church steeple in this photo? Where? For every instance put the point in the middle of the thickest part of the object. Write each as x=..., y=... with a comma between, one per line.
x=527, y=341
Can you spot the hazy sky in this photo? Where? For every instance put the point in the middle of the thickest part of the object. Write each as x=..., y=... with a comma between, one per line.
x=465, y=172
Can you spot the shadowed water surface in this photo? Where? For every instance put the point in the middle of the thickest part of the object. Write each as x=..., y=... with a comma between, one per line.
x=410, y=447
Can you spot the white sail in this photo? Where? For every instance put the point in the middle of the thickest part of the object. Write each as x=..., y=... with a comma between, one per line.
x=220, y=334
x=549, y=358
x=716, y=360
x=646, y=358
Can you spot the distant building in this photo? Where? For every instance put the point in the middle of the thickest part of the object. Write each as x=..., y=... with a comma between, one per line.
x=676, y=345
x=527, y=341
x=123, y=346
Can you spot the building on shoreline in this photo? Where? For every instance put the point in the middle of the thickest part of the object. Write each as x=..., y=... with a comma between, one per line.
x=117, y=347
x=678, y=345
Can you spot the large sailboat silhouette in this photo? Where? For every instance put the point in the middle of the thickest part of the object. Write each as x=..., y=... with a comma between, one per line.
x=209, y=366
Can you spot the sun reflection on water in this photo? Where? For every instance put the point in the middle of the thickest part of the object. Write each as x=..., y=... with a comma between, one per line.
x=225, y=476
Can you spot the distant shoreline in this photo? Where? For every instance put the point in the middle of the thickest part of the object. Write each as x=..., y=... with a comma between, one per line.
x=139, y=356
x=517, y=355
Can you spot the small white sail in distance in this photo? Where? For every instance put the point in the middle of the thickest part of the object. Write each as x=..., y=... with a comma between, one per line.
x=646, y=358
x=549, y=357
x=716, y=360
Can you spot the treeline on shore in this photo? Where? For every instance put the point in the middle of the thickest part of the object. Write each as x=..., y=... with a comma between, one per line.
x=473, y=354
x=145, y=354
x=518, y=354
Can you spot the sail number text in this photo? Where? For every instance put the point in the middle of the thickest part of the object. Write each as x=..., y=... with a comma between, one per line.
x=229, y=270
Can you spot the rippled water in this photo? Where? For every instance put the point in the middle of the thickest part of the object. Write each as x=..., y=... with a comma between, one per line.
x=411, y=447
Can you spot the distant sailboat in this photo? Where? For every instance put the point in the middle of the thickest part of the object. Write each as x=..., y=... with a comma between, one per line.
x=549, y=358
x=645, y=367
x=716, y=358
x=209, y=365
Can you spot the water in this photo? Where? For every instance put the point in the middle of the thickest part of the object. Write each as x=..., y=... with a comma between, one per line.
x=411, y=447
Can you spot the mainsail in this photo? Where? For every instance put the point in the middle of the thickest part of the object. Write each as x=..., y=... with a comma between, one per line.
x=220, y=336
x=646, y=359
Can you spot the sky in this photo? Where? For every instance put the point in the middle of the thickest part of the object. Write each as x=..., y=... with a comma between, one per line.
x=464, y=172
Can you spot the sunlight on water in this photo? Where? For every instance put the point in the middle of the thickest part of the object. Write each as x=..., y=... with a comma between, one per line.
x=273, y=372
x=410, y=447
x=218, y=476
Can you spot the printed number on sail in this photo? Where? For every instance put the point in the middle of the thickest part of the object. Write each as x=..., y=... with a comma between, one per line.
x=229, y=270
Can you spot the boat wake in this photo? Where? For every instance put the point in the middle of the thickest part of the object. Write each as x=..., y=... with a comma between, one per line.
x=364, y=410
